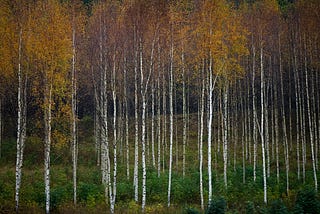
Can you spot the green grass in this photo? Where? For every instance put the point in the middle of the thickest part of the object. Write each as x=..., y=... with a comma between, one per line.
x=239, y=197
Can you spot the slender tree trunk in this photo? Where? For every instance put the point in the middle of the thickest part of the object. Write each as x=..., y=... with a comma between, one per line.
x=152, y=124
x=105, y=156
x=97, y=121
x=272, y=118
x=262, y=126
x=74, y=116
x=210, y=104
x=200, y=141
x=290, y=114
x=159, y=123
x=144, y=171
x=296, y=76
x=302, y=116
x=184, y=108
x=164, y=125
x=276, y=127
x=284, y=126
x=113, y=190
x=171, y=121
x=255, y=119
x=304, y=134
x=126, y=118
x=147, y=140
x=47, y=139
x=316, y=140
x=136, y=145
x=225, y=134
x=266, y=120
x=310, y=120
x=243, y=139
x=176, y=124
x=248, y=124
x=21, y=128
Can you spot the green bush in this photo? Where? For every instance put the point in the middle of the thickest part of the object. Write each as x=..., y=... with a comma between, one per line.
x=217, y=206
x=307, y=202
x=90, y=193
x=185, y=190
x=249, y=207
x=157, y=187
x=125, y=191
x=59, y=195
x=33, y=152
x=190, y=210
x=277, y=207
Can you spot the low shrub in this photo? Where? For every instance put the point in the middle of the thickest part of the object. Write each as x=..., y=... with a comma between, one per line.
x=90, y=193
x=277, y=207
x=307, y=202
x=191, y=210
x=217, y=206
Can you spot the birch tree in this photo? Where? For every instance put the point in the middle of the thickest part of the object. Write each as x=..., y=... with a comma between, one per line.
x=50, y=47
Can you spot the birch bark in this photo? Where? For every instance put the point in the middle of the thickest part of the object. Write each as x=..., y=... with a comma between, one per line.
x=225, y=134
x=201, y=141
x=21, y=127
x=262, y=127
x=310, y=120
x=171, y=121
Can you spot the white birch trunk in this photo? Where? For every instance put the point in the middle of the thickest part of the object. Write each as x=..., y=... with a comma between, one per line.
x=152, y=124
x=255, y=119
x=105, y=156
x=276, y=127
x=136, y=145
x=144, y=90
x=225, y=134
x=284, y=126
x=158, y=112
x=266, y=120
x=164, y=123
x=144, y=171
x=201, y=143
x=171, y=122
x=314, y=121
x=126, y=118
x=105, y=159
x=114, y=97
x=248, y=126
x=159, y=124
x=47, y=139
x=262, y=128
x=210, y=104
x=97, y=121
x=184, y=108
x=310, y=121
x=296, y=89
x=74, y=117
x=243, y=139
x=272, y=121
x=302, y=118
x=304, y=135
x=21, y=128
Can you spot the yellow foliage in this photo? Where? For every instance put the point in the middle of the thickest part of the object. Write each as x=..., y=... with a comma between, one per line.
x=60, y=140
x=222, y=38
x=49, y=42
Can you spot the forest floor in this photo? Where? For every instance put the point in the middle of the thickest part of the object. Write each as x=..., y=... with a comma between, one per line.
x=239, y=197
